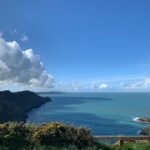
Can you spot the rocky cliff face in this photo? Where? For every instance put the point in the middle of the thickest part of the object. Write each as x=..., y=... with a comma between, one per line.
x=14, y=106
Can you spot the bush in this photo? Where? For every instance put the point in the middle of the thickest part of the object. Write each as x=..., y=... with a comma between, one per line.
x=55, y=133
x=14, y=134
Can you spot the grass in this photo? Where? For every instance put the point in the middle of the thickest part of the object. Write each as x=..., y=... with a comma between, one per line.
x=134, y=146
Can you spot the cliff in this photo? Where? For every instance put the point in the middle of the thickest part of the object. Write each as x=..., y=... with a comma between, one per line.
x=14, y=106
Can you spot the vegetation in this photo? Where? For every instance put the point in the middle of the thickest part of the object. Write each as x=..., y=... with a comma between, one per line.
x=14, y=106
x=55, y=136
x=145, y=131
x=134, y=146
x=50, y=136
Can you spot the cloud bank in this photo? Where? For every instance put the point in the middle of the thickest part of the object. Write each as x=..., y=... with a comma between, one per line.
x=22, y=66
x=144, y=84
x=97, y=85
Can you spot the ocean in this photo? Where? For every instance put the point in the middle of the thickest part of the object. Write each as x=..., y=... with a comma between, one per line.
x=103, y=113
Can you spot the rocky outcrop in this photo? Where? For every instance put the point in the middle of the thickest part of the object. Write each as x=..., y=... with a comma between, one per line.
x=145, y=131
x=14, y=106
x=144, y=119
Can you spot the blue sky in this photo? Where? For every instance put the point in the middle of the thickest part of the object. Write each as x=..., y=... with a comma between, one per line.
x=84, y=41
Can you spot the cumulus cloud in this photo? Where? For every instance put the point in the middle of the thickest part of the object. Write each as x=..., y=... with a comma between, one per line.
x=103, y=86
x=97, y=85
x=22, y=66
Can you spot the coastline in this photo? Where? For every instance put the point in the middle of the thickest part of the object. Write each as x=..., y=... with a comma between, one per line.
x=88, y=109
x=28, y=111
x=14, y=106
x=145, y=120
x=36, y=107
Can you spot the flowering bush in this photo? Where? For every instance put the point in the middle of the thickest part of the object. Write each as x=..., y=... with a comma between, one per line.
x=53, y=135
x=15, y=134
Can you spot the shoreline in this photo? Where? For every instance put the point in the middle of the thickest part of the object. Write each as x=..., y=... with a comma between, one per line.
x=14, y=106
x=142, y=120
x=28, y=111
x=36, y=107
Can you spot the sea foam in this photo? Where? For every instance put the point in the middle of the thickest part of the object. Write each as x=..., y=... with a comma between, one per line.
x=136, y=119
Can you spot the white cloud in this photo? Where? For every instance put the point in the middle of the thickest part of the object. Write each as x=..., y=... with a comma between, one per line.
x=103, y=86
x=72, y=85
x=143, y=84
x=96, y=85
x=24, y=38
x=22, y=66
x=77, y=85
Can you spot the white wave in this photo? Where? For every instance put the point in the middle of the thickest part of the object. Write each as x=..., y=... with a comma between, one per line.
x=136, y=119
x=138, y=132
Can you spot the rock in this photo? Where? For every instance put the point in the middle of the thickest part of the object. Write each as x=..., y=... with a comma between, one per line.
x=144, y=119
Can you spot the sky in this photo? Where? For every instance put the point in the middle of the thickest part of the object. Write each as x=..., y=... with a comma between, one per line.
x=75, y=45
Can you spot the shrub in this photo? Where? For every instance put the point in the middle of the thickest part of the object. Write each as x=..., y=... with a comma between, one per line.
x=55, y=133
x=14, y=134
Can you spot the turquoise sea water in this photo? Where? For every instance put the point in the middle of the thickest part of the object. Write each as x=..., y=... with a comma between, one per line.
x=104, y=113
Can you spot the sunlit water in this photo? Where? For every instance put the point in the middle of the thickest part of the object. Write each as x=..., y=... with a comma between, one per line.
x=104, y=113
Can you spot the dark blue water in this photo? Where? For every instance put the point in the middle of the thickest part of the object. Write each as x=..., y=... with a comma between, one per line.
x=104, y=113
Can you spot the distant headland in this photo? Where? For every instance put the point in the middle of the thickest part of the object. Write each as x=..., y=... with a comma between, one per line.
x=14, y=106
